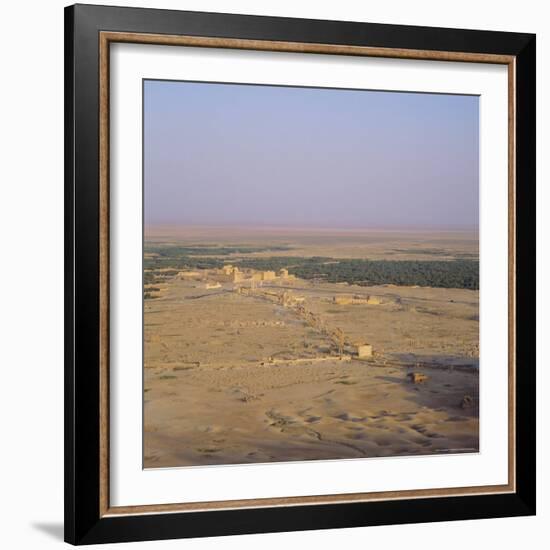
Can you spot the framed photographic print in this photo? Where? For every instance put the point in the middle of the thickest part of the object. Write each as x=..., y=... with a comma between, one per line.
x=300, y=274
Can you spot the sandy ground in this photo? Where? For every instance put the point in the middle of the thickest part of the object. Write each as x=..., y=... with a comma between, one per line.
x=323, y=411
x=220, y=386
x=344, y=243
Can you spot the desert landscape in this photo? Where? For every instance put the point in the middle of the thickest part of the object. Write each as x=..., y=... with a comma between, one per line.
x=310, y=273
x=266, y=344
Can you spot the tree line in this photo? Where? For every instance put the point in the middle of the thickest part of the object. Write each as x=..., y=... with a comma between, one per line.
x=459, y=273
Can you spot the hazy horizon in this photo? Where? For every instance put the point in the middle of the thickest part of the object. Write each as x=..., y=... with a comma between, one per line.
x=343, y=227
x=267, y=156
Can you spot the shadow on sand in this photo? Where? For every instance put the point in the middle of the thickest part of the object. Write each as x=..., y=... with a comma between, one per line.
x=444, y=389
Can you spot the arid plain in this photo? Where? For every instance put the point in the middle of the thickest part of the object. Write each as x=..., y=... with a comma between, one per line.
x=264, y=344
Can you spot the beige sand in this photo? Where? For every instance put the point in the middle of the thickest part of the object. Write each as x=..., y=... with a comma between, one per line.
x=342, y=243
x=233, y=379
x=321, y=411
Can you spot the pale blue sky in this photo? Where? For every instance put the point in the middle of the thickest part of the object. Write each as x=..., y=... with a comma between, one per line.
x=248, y=154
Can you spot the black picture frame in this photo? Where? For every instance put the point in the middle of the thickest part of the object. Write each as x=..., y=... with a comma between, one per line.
x=84, y=523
